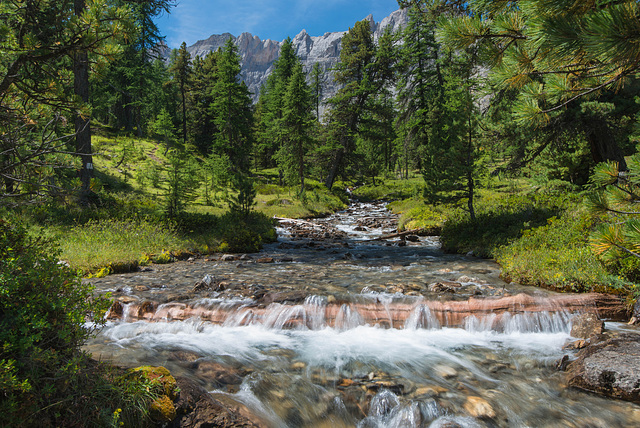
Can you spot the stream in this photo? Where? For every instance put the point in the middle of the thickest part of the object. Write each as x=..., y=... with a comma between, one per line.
x=333, y=326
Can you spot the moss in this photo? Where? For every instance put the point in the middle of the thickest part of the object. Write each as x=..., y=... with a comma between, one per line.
x=159, y=376
x=162, y=409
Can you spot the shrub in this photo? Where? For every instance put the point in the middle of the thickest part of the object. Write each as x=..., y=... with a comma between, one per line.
x=43, y=307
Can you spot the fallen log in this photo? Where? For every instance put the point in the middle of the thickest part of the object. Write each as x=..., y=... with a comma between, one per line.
x=396, y=235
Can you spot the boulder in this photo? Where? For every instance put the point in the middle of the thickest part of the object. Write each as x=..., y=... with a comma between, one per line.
x=586, y=325
x=197, y=408
x=610, y=368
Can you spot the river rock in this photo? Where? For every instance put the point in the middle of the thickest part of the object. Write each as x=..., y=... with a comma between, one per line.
x=478, y=407
x=197, y=408
x=443, y=287
x=610, y=368
x=635, y=315
x=219, y=373
x=293, y=296
x=586, y=325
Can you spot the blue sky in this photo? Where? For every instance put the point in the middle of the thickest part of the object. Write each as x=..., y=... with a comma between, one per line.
x=193, y=20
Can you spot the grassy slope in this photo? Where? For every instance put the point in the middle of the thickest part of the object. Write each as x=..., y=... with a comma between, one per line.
x=130, y=226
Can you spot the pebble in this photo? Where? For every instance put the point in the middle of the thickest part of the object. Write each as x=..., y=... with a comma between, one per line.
x=478, y=407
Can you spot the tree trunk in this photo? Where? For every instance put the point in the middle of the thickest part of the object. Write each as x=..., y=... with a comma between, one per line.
x=603, y=144
x=83, y=122
x=335, y=167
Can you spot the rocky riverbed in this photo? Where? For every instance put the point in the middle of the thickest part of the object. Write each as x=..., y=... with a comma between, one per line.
x=347, y=322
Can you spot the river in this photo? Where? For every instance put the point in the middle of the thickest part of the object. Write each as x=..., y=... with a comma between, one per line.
x=334, y=327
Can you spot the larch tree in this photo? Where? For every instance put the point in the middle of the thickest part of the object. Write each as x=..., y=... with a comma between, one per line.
x=181, y=70
x=361, y=75
x=296, y=126
x=231, y=110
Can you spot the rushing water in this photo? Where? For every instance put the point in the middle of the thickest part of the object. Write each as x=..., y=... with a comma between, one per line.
x=323, y=359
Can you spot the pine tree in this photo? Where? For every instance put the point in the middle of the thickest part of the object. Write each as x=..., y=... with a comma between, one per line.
x=556, y=52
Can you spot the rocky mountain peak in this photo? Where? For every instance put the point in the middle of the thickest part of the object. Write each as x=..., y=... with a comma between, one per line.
x=259, y=55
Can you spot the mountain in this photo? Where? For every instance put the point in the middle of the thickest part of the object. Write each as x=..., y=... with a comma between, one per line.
x=258, y=55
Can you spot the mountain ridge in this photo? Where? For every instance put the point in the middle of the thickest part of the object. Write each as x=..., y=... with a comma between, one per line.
x=258, y=56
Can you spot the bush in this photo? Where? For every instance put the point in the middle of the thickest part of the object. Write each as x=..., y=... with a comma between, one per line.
x=242, y=234
x=46, y=380
x=44, y=306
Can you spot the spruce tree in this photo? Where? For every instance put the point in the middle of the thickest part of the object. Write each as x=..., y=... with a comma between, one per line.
x=202, y=128
x=272, y=102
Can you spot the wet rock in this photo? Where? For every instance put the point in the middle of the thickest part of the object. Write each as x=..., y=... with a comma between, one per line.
x=298, y=365
x=184, y=356
x=197, y=408
x=147, y=307
x=229, y=258
x=562, y=363
x=209, y=283
x=575, y=345
x=115, y=311
x=265, y=260
x=446, y=372
x=443, y=287
x=219, y=373
x=125, y=300
x=610, y=368
x=293, y=296
x=141, y=288
x=586, y=325
x=478, y=407
x=412, y=238
x=635, y=314
x=430, y=391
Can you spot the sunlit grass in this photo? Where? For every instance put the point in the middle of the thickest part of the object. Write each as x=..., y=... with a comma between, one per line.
x=98, y=244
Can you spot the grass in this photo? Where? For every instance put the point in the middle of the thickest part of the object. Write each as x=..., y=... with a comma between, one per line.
x=113, y=242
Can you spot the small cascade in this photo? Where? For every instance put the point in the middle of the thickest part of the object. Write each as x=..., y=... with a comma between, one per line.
x=421, y=317
x=348, y=318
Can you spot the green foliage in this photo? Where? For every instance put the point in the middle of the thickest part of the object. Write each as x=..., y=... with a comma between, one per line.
x=499, y=221
x=182, y=181
x=557, y=255
x=244, y=197
x=231, y=110
x=245, y=233
x=44, y=307
x=617, y=239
